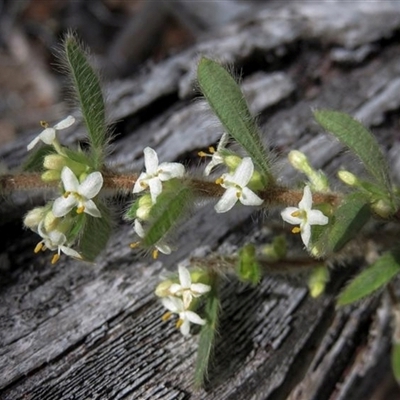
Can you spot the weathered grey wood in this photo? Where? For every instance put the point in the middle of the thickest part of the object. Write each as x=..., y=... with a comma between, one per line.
x=94, y=331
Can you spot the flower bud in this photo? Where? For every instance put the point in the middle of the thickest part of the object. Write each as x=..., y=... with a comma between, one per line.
x=54, y=161
x=232, y=161
x=348, y=178
x=299, y=161
x=50, y=222
x=51, y=175
x=145, y=203
x=34, y=217
x=382, y=208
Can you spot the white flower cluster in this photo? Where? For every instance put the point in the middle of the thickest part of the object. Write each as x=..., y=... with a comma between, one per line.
x=236, y=183
x=178, y=297
x=152, y=178
x=48, y=223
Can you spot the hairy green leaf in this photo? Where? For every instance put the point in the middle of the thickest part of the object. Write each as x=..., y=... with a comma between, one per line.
x=89, y=94
x=226, y=100
x=207, y=339
x=345, y=224
x=371, y=279
x=358, y=139
x=171, y=204
x=91, y=244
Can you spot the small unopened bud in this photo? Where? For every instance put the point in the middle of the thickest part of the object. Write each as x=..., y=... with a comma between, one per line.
x=54, y=161
x=232, y=162
x=299, y=161
x=145, y=203
x=34, y=217
x=51, y=175
x=348, y=178
x=317, y=281
x=382, y=208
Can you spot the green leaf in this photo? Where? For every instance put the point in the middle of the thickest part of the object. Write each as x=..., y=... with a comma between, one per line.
x=227, y=102
x=171, y=204
x=34, y=163
x=395, y=359
x=345, y=224
x=207, y=339
x=371, y=279
x=89, y=94
x=95, y=233
x=358, y=139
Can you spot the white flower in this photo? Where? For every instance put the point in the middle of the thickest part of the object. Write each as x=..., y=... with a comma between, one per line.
x=78, y=194
x=186, y=288
x=156, y=174
x=216, y=156
x=304, y=216
x=48, y=135
x=54, y=240
x=236, y=189
x=175, y=305
x=161, y=247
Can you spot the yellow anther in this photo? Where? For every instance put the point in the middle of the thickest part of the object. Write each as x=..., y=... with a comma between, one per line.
x=55, y=258
x=66, y=194
x=296, y=213
x=179, y=323
x=211, y=150
x=296, y=229
x=38, y=247
x=80, y=209
x=166, y=316
x=134, y=245
x=202, y=154
x=219, y=181
x=155, y=254
x=238, y=194
x=144, y=185
x=44, y=124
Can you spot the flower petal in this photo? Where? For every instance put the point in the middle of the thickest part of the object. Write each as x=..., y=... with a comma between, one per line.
x=316, y=217
x=194, y=318
x=306, y=201
x=172, y=304
x=69, y=180
x=306, y=234
x=91, y=185
x=63, y=205
x=243, y=172
x=287, y=216
x=249, y=198
x=227, y=201
x=167, y=171
x=163, y=248
x=155, y=186
x=184, y=277
x=139, y=229
x=70, y=252
x=91, y=209
x=185, y=327
x=48, y=135
x=199, y=288
x=138, y=187
x=65, y=123
x=150, y=160
x=33, y=143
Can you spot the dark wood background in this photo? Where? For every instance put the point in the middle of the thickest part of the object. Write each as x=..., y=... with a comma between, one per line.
x=94, y=331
